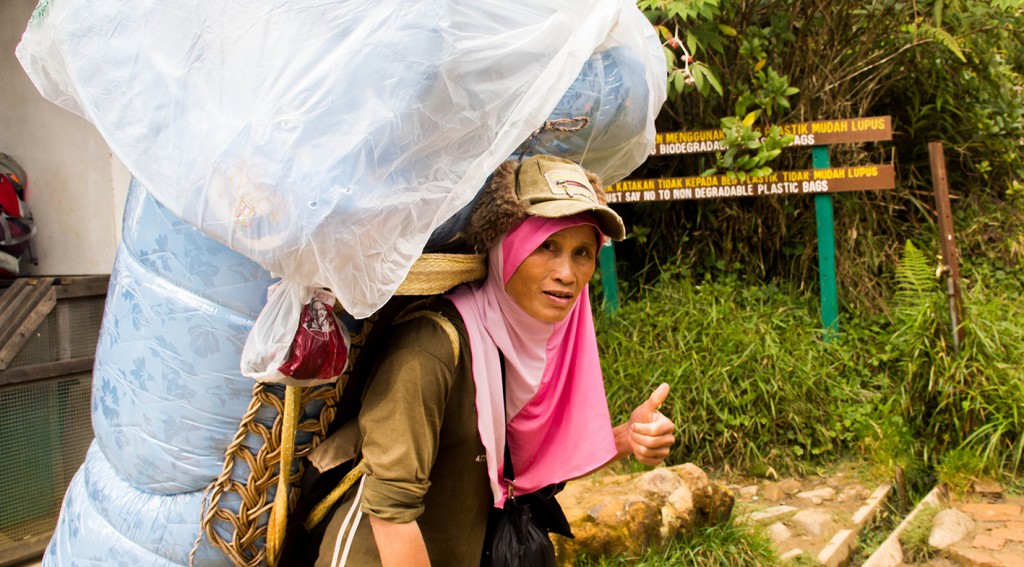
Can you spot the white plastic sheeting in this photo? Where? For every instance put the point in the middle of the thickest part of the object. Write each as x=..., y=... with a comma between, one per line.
x=327, y=140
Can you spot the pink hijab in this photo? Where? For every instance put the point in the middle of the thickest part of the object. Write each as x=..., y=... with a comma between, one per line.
x=558, y=422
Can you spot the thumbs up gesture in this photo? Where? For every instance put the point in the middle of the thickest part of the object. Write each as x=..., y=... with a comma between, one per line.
x=650, y=433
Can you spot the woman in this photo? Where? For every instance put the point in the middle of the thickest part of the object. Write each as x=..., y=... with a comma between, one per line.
x=521, y=344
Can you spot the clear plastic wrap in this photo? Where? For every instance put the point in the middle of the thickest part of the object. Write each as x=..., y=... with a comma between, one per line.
x=327, y=140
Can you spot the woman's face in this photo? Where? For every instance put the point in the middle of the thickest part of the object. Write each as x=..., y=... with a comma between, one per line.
x=548, y=282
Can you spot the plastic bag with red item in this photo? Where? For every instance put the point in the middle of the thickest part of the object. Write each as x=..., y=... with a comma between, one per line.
x=297, y=339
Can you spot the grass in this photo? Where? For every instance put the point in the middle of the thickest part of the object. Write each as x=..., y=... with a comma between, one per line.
x=914, y=539
x=725, y=545
x=872, y=536
x=754, y=387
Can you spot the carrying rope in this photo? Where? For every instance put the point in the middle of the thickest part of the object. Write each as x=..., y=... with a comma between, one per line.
x=278, y=523
x=325, y=505
x=574, y=124
x=246, y=547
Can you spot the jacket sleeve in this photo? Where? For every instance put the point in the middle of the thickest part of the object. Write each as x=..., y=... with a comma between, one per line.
x=401, y=418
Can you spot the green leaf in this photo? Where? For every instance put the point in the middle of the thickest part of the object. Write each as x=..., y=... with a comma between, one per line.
x=678, y=80
x=743, y=103
x=698, y=78
x=691, y=42
x=942, y=37
x=670, y=58
x=727, y=30
x=702, y=73
x=710, y=76
x=749, y=119
x=727, y=159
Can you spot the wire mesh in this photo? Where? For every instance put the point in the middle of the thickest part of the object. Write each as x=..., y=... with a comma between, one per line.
x=69, y=331
x=45, y=426
x=45, y=431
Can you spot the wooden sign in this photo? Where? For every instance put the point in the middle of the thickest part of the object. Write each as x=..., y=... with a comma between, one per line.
x=803, y=182
x=819, y=133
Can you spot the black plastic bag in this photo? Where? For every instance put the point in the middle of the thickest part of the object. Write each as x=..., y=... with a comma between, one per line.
x=516, y=541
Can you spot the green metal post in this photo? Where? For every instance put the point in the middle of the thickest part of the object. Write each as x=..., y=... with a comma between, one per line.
x=826, y=252
x=609, y=278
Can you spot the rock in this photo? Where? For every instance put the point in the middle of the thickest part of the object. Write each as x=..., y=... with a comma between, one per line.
x=790, y=486
x=615, y=510
x=823, y=494
x=659, y=481
x=772, y=493
x=776, y=491
x=791, y=554
x=624, y=525
x=712, y=501
x=988, y=488
x=853, y=492
x=749, y=492
x=948, y=527
x=779, y=532
x=771, y=513
x=626, y=514
x=677, y=512
x=817, y=523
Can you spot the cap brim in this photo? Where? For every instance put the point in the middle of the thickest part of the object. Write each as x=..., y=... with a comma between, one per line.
x=608, y=220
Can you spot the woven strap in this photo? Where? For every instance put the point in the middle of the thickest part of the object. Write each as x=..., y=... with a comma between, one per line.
x=434, y=274
x=246, y=521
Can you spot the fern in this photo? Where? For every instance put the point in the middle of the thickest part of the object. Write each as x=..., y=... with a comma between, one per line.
x=940, y=36
x=915, y=283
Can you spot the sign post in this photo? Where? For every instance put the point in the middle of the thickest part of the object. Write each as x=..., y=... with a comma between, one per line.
x=947, y=240
x=609, y=278
x=826, y=252
x=820, y=181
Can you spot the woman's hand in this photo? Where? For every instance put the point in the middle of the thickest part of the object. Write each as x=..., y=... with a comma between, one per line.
x=648, y=435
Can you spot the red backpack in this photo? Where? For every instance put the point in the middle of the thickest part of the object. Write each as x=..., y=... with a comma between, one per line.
x=16, y=226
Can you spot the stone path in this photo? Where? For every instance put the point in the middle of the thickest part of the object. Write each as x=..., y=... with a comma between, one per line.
x=822, y=518
x=819, y=517
x=997, y=538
